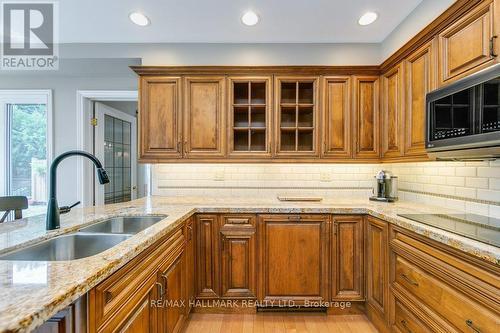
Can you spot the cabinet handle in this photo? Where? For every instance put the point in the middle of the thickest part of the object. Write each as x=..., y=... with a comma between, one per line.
x=160, y=287
x=405, y=325
x=469, y=323
x=409, y=280
x=492, y=46
x=223, y=241
x=185, y=147
x=108, y=296
x=294, y=218
x=335, y=228
x=179, y=147
x=190, y=232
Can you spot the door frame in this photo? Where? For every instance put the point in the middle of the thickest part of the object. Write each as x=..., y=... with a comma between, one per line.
x=84, y=99
x=99, y=195
x=7, y=95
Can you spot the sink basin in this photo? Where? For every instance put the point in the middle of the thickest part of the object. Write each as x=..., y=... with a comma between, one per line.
x=67, y=247
x=123, y=224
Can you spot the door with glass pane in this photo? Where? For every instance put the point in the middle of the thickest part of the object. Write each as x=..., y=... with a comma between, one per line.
x=24, y=147
x=115, y=146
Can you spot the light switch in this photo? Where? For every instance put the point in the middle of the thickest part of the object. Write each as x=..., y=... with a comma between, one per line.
x=219, y=175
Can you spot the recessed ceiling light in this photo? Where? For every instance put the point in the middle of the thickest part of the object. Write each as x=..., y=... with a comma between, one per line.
x=139, y=19
x=368, y=18
x=250, y=18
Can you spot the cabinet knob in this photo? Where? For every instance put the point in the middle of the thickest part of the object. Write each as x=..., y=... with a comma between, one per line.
x=409, y=280
x=405, y=325
x=470, y=323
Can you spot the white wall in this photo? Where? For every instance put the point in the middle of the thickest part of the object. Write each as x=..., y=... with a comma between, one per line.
x=64, y=85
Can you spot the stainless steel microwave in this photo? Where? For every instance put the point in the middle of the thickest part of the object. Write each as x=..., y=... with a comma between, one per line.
x=463, y=119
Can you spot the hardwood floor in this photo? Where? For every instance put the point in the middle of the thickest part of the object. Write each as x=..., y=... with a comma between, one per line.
x=277, y=323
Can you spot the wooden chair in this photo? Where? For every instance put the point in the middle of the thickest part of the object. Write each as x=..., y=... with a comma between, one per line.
x=13, y=203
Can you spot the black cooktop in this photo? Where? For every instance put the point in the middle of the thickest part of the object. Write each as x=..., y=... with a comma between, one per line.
x=481, y=228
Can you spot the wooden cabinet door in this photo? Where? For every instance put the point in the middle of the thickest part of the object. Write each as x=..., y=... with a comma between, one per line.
x=469, y=44
x=293, y=260
x=336, y=125
x=144, y=317
x=366, y=117
x=347, y=258
x=238, y=256
x=204, y=117
x=296, y=116
x=190, y=265
x=249, y=116
x=420, y=79
x=207, y=257
x=377, y=266
x=392, y=112
x=160, y=122
x=173, y=312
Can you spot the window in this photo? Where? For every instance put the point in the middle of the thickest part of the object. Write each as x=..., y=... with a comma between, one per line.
x=25, y=146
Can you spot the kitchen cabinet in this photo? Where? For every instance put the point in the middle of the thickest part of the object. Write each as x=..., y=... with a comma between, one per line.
x=250, y=105
x=420, y=69
x=377, y=270
x=171, y=279
x=336, y=124
x=123, y=301
x=296, y=122
x=392, y=112
x=469, y=44
x=238, y=253
x=160, y=118
x=347, y=262
x=366, y=117
x=445, y=288
x=207, y=256
x=293, y=263
x=204, y=117
x=190, y=264
x=72, y=319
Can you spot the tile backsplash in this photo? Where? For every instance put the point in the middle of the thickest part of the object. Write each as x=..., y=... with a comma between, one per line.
x=468, y=186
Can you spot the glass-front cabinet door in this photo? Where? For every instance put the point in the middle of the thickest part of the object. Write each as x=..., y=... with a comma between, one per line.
x=249, y=117
x=296, y=116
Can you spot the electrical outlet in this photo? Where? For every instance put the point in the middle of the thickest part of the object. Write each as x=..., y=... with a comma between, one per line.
x=219, y=175
x=325, y=177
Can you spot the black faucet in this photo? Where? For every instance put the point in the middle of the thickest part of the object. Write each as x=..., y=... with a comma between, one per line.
x=53, y=210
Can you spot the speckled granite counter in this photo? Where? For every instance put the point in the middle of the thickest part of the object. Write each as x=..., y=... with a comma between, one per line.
x=32, y=292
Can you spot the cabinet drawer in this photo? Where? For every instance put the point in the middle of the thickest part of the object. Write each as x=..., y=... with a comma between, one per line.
x=405, y=321
x=110, y=296
x=473, y=277
x=456, y=308
x=237, y=220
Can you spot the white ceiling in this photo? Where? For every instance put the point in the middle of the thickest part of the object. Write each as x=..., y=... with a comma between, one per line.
x=213, y=21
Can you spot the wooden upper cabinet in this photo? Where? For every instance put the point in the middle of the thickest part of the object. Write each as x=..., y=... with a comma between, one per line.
x=293, y=263
x=420, y=69
x=469, y=44
x=296, y=121
x=160, y=120
x=366, y=117
x=347, y=258
x=204, y=117
x=392, y=112
x=336, y=124
x=249, y=116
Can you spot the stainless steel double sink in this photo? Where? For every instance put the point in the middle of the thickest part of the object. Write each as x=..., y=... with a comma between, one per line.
x=87, y=241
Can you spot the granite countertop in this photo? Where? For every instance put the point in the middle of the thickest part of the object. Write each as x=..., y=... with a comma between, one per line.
x=32, y=292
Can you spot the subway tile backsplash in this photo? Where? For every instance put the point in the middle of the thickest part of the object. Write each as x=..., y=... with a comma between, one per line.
x=468, y=186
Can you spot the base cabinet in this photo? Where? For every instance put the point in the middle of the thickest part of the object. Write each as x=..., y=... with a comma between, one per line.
x=347, y=262
x=293, y=258
x=207, y=257
x=238, y=257
x=377, y=268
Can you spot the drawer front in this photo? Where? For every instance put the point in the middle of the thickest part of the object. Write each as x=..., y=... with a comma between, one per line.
x=405, y=321
x=453, y=306
x=237, y=220
x=110, y=296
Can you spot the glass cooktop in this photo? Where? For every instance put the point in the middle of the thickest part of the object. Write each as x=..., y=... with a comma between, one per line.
x=481, y=228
